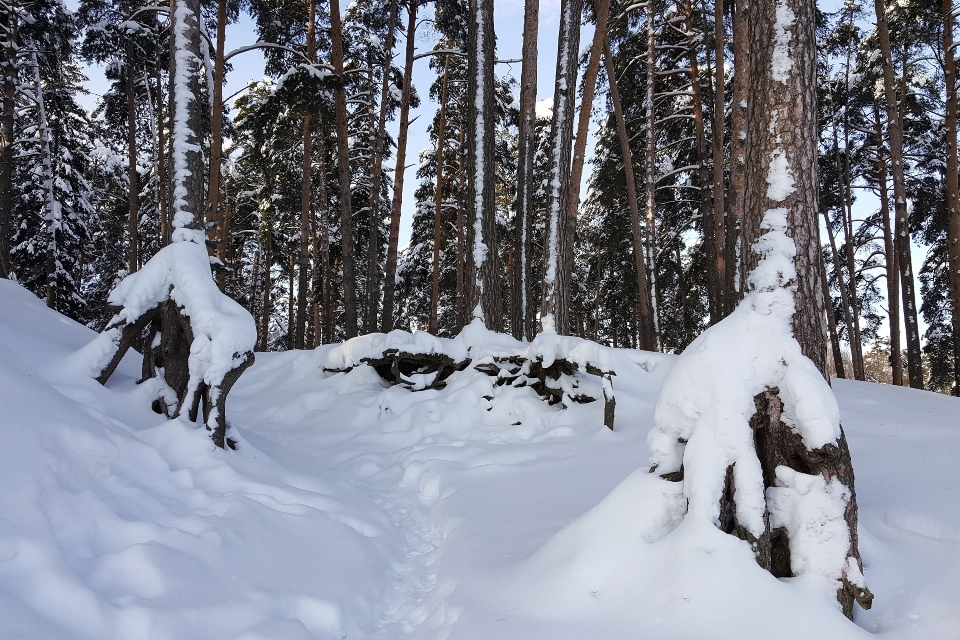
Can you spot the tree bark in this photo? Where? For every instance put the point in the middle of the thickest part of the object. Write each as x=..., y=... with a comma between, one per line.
x=901, y=225
x=484, y=295
x=328, y=327
x=782, y=127
x=556, y=287
x=390, y=277
x=187, y=157
x=343, y=172
x=953, y=188
x=602, y=9
x=650, y=167
x=376, y=171
x=214, y=213
x=647, y=339
x=522, y=320
x=832, y=324
x=716, y=132
x=738, y=150
x=306, y=194
x=703, y=170
x=890, y=256
x=438, y=204
x=51, y=212
x=162, y=148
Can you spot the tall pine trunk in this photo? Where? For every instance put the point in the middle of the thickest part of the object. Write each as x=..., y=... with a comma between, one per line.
x=215, y=223
x=556, y=288
x=438, y=204
x=646, y=336
x=890, y=256
x=789, y=139
x=953, y=188
x=9, y=70
x=343, y=173
x=133, y=178
x=738, y=151
x=306, y=194
x=522, y=320
x=716, y=133
x=901, y=224
x=484, y=294
x=390, y=277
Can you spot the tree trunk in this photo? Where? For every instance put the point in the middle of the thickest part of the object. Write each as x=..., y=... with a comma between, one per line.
x=556, y=287
x=187, y=157
x=52, y=213
x=326, y=288
x=602, y=9
x=390, y=277
x=267, y=286
x=522, y=319
x=647, y=338
x=832, y=324
x=789, y=140
x=214, y=222
x=738, y=150
x=484, y=294
x=133, y=178
x=461, y=291
x=953, y=188
x=901, y=225
x=716, y=132
x=343, y=170
x=650, y=167
x=842, y=285
x=890, y=255
x=438, y=205
x=163, y=188
x=306, y=193
x=9, y=66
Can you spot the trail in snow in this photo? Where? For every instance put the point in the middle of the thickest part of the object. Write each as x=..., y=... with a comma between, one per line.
x=353, y=510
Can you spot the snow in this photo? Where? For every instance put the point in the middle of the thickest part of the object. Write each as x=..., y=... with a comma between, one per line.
x=355, y=510
x=224, y=332
x=782, y=63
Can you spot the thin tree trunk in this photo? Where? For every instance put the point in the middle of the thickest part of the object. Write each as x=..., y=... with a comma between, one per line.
x=291, y=306
x=602, y=9
x=390, y=277
x=6, y=142
x=438, y=204
x=461, y=297
x=738, y=150
x=841, y=283
x=163, y=187
x=327, y=321
x=556, y=288
x=267, y=285
x=133, y=178
x=703, y=171
x=376, y=171
x=832, y=323
x=484, y=294
x=650, y=167
x=343, y=167
x=953, y=188
x=901, y=225
x=214, y=222
x=716, y=132
x=890, y=256
x=647, y=338
x=522, y=319
x=306, y=192
x=52, y=214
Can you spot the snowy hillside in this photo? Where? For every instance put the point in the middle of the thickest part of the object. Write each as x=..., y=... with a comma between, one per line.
x=356, y=510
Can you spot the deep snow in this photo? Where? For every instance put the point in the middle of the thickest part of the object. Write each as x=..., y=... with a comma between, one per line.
x=351, y=510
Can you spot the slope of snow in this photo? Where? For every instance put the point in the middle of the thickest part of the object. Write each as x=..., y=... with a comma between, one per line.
x=353, y=510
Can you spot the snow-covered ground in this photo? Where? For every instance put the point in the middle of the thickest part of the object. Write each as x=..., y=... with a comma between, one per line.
x=352, y=510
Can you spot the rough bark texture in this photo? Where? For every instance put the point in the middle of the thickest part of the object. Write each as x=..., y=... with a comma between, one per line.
x=390, y=277
x=522, y=320
x=738, y=151
x=646, y=336
x=484, y=296
x=343, y=173
x=214, y=210
x=953, y=188
x=718, y=126
x=556, y=287
x=901, y=224
x=327, y=319
x=782, y=119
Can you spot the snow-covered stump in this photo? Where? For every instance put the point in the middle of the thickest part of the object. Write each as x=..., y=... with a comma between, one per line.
x=751, y=428
x=194, y=339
